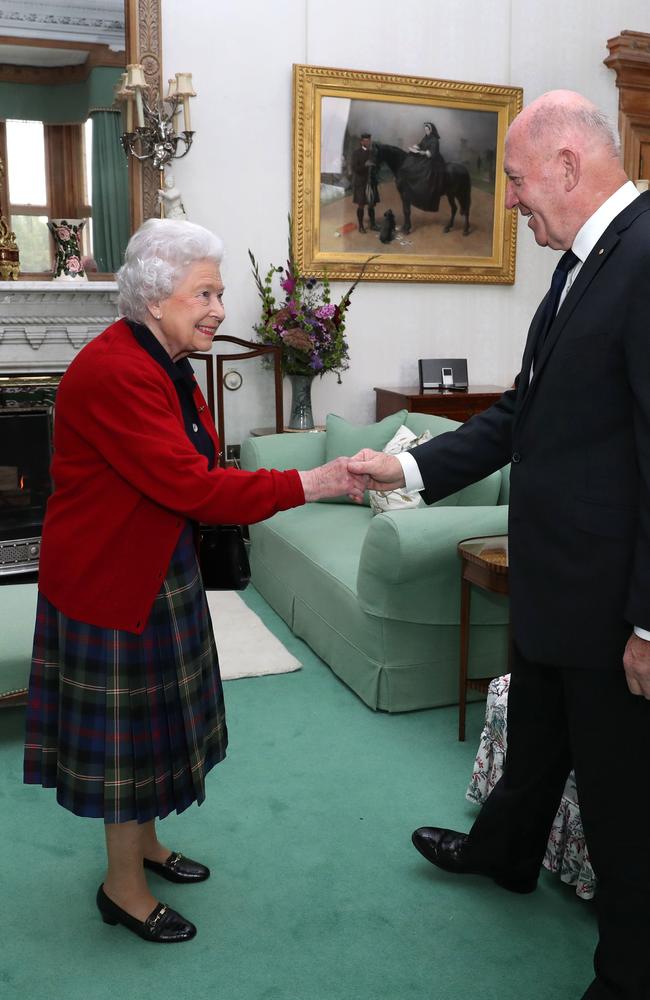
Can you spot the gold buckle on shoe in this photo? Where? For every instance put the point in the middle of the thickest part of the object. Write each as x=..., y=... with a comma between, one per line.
x=152, y=922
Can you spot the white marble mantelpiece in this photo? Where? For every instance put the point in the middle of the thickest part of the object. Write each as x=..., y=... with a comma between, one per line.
x=43, y=324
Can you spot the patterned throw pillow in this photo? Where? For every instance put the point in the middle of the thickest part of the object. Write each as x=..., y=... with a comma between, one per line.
x=401, y=499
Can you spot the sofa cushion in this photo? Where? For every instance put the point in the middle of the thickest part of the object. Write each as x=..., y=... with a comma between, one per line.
x=328, y=538
x=344, y=438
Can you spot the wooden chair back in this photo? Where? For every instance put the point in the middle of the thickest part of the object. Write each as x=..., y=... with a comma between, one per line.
x=253, y=350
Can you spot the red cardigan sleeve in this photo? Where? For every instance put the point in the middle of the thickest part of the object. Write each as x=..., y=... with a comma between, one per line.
x=130, y=416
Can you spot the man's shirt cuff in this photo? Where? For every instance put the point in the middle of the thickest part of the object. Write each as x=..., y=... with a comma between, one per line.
x=412, y=475
x=642, y=633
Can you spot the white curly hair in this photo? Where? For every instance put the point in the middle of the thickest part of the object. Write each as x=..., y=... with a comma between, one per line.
x=156, y=257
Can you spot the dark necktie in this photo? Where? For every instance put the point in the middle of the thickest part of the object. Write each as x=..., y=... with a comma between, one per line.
x=567, y=261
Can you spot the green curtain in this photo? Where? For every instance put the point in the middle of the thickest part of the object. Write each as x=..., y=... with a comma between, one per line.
x=111, y=226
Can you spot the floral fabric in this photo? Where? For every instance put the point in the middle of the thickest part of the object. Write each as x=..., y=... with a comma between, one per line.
x=401, y=499
x=566, y=851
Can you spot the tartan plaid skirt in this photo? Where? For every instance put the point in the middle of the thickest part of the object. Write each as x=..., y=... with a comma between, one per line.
x=125, y=726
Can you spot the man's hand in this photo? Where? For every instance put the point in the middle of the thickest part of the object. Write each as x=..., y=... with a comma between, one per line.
x=636, y=661
x=383, y=472
x=332, y=480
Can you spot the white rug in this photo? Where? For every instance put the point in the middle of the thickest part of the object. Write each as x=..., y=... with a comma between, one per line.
x=246, y=647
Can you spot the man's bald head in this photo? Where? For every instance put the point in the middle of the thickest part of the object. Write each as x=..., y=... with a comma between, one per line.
x=564, y=117
x=562, y=164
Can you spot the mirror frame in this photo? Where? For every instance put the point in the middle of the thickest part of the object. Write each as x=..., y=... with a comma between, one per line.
x=143, y=45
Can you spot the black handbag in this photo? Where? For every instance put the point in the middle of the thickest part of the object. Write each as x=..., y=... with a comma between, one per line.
x=223, y=558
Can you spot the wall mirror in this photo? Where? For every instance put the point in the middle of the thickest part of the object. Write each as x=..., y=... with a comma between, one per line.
x=59, y=130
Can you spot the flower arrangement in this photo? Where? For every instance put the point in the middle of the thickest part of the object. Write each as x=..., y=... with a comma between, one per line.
x=307, y=325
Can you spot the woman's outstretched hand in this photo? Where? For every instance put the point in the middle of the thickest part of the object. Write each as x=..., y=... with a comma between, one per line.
x=332, y=480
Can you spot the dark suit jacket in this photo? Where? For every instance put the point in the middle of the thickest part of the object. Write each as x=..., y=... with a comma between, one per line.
x=578, y=436
x=364, y=173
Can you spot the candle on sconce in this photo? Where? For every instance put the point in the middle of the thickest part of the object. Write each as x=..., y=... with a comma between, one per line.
x=136, y=83
x=129, y=112
x=171, y=94
x=184, y=89
x=125, y=97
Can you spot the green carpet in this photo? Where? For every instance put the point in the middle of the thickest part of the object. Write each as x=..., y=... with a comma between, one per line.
x=316, y=892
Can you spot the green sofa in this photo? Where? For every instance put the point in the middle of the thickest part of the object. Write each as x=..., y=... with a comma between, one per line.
x=378, y=597
x=17, y=616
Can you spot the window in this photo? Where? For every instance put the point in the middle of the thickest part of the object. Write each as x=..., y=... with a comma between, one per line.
x=27, y=207
x=47, y=176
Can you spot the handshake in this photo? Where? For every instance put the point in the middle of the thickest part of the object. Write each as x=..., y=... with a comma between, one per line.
x=367, y=470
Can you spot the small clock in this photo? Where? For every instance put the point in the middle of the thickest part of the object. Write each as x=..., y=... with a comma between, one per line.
x=232, y=379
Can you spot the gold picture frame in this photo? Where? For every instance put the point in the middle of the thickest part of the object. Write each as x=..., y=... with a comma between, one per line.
x=333, y=108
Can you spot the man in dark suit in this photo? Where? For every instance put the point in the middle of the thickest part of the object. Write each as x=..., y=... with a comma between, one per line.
x=576, y=429
x=364, y=181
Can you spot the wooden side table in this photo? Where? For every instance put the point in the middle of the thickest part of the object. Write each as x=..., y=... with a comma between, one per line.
x=484, y=563
x=458, y=404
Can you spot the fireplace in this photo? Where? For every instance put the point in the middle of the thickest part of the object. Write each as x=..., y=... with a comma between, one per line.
x=43, y=326
x=26, y=420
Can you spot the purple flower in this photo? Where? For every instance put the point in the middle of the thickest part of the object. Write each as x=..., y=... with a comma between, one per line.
x=306, y=324
x=326, y=311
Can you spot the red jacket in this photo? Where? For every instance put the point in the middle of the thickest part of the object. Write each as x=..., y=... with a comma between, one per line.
x=125, y=479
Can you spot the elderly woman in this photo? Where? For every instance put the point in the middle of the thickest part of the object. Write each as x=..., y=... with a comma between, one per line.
x=425, y=167
x=125, y=715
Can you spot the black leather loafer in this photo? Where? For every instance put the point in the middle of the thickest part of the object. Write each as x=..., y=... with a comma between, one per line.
x=178, y=868
x=450, y=850
x=163, y=925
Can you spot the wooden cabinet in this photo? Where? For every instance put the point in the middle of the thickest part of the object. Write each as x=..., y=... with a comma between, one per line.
x=458, y=404
x=629, y=57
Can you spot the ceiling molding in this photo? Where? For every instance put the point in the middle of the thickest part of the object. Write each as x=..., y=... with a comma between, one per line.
x=95, y=21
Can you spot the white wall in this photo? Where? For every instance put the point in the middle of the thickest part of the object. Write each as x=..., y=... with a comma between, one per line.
x=237, y=177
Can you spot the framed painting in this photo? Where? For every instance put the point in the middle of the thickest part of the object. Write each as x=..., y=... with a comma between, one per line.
x=406, y=170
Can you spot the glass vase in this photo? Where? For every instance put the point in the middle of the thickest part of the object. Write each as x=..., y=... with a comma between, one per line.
x=301, y=418
x=66, y=234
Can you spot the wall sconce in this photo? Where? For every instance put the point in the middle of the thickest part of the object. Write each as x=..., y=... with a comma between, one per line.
x=156, y=135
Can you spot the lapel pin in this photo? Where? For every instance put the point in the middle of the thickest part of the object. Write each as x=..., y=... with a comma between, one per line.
x=602, y=250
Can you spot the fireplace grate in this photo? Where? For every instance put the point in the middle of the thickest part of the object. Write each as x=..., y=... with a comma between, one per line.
x=26, y=415
x=19, y=556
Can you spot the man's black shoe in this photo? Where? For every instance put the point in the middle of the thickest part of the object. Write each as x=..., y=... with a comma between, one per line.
x=450, y=850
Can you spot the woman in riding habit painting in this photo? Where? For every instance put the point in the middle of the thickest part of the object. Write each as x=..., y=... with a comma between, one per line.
x=424, y=167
